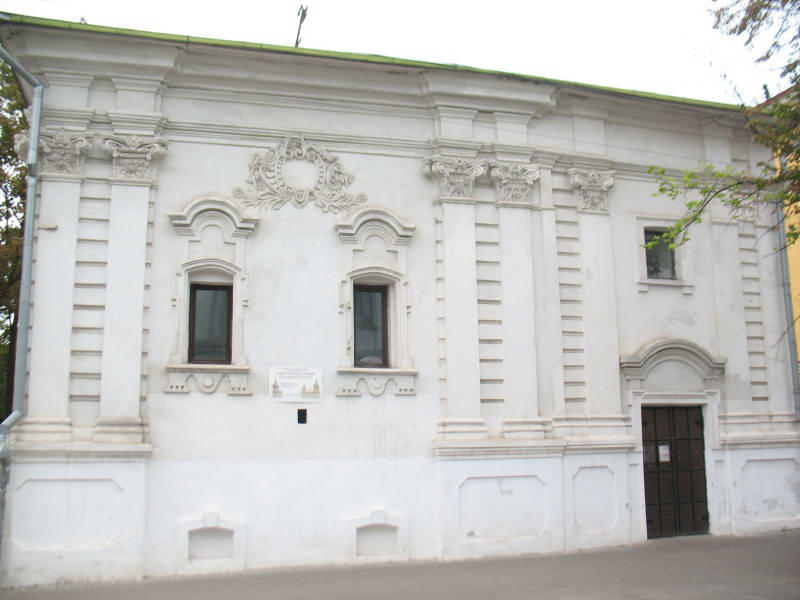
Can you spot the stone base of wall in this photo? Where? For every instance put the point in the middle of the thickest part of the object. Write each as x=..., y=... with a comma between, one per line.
x=80, y=519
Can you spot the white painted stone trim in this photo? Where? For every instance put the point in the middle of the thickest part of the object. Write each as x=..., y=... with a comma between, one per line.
x=379, y=515
x=208, y=379
x=224, y=213
x=185, y=566
x=636, y=368
x=390, y=269
x=684, y=270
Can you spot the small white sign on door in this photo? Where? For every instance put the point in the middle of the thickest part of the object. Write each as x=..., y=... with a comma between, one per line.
x=663, y=452
x=295, y=384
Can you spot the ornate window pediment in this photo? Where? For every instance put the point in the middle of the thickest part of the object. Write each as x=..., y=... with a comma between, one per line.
x=191, y=220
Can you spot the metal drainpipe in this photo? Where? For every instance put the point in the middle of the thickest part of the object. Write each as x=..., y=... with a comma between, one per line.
x=787, y=305
x=24, y=305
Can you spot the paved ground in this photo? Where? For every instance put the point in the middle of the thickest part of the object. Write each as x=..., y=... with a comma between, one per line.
x=730, y=568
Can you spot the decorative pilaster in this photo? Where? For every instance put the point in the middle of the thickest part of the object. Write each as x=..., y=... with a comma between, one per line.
x=120, y=385
x=548, y=305
x=601, y=344
x=515, y=184
x=62, y=156
x=456, y=180
x=592, y=188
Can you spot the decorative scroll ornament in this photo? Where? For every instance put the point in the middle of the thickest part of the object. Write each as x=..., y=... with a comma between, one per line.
x=514, y=183
x=376, y=385
x=592, y=187
x=62, y=151
x=234, y=380
x=131, y=155
x=456, y=177
x=267, y=187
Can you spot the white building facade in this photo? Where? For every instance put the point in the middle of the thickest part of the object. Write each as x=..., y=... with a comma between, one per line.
x=302, y=309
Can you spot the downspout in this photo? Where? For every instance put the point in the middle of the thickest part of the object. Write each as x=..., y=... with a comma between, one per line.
x=24, y=304
x=787, y=306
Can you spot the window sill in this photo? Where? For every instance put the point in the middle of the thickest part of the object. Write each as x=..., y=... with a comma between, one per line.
x=644, y=285
x=377, y=370
x=208, y=378
x=376, y=381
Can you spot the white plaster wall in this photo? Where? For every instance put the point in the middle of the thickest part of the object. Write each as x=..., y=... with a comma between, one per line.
x=479, y=502
x=74, y=521
x=296, y=511
x=268, y=491
x=765, y=489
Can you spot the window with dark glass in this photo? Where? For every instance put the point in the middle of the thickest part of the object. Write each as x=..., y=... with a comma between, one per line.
x=660, y=257
x=210, y=311
x=371, y=335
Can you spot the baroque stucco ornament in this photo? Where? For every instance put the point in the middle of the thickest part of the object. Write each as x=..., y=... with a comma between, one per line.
x=131, y=155
x=456, y=177
x=267, y=187
x=514, y=183
x=63, y=151
x=592, y=187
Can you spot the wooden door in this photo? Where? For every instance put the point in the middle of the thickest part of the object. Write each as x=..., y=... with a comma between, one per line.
x=674, y=470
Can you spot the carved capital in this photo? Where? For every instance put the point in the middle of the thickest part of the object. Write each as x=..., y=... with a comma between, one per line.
x=592, y=188
x=267, y=186
x=456, y=177
x=514, y=183
x=61, y=151
x=131, y=155
x=22, y=142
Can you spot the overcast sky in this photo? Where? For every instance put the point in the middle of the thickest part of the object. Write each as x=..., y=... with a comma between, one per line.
x=662, y=46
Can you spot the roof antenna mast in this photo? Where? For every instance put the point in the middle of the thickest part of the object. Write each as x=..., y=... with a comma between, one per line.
x=302, y=14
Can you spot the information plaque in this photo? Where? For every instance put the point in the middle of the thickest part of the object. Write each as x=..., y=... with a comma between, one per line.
x=295, y=384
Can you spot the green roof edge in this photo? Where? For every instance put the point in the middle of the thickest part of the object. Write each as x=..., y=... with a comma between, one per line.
x=369, y=58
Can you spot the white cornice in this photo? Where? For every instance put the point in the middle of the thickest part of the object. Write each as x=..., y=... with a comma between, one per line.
x=506, y=449
x=497, y=449
x=280, y=95
x=457, y=89
x=79, y=450
x=761, y=440
x=254, y=136
x=68, y=51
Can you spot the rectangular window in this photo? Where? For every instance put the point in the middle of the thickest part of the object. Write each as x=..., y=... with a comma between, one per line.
x=370, y=324
x=210, y=313
x=660, y=257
